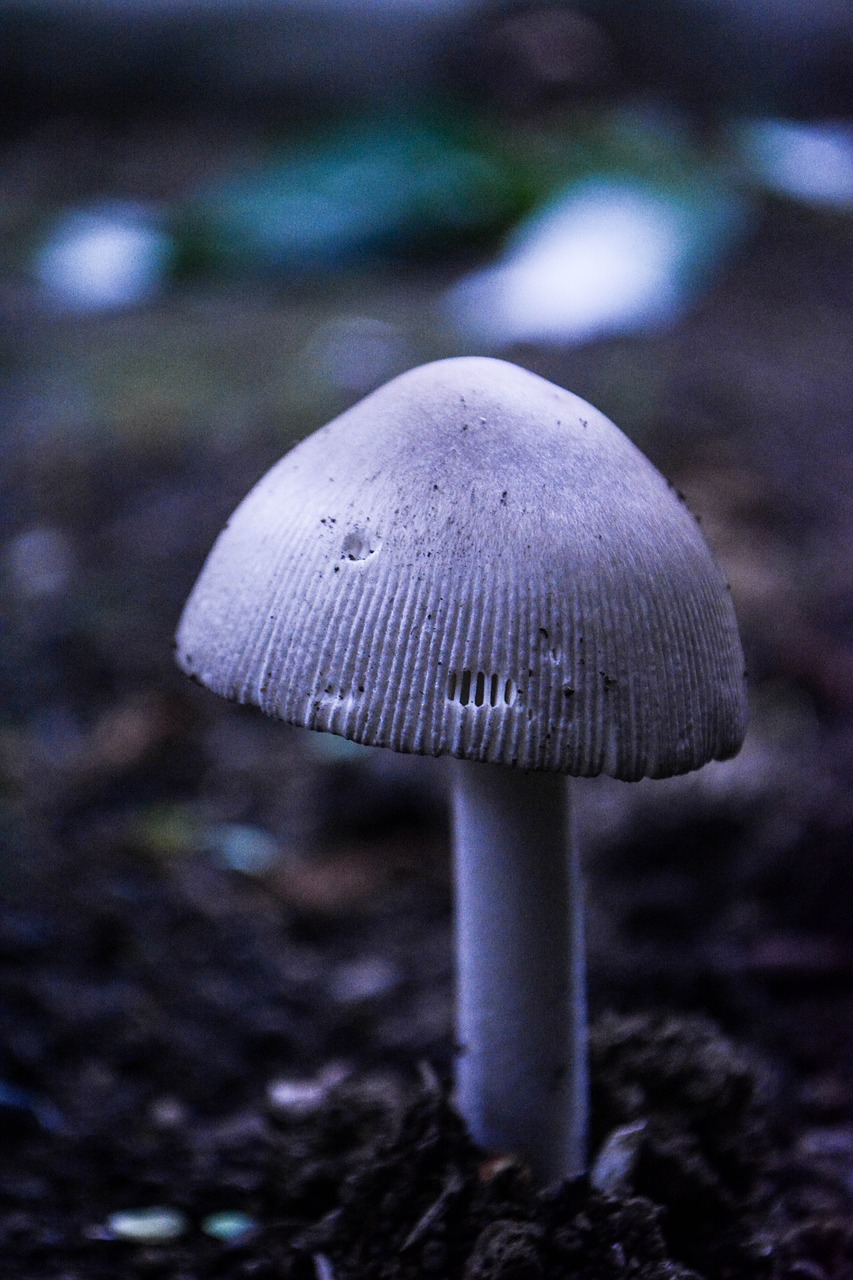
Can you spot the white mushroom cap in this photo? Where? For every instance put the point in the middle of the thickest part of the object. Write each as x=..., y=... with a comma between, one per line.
x=474, y=561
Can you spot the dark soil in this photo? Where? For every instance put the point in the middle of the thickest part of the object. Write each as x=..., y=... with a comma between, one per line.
x=276, y=1041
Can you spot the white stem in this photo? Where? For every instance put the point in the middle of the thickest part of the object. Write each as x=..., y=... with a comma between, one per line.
x=521, y=994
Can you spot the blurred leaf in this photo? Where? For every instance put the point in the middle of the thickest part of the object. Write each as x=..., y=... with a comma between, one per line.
x=389, y=187
x=108, y=256
x=811, y=163
x=638, y=221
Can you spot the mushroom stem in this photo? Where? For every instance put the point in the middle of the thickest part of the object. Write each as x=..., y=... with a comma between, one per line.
x=521, y=996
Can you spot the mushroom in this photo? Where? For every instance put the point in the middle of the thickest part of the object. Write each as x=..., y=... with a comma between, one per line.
x=474, y=562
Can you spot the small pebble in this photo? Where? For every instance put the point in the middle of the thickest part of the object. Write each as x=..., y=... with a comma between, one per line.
x=229, y=1225
x=243, y=848
x=167, y=1113
x=296, y=1098
x=613, y=1166
x=40, y=562
x=147, y=1226
x=363, y=979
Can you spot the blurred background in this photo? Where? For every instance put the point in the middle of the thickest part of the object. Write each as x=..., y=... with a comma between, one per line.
x=223, y=222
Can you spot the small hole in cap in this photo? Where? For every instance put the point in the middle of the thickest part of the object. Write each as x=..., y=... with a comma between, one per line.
x=481, y=689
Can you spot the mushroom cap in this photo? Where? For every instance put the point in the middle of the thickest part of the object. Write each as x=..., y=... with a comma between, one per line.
x=474, y=561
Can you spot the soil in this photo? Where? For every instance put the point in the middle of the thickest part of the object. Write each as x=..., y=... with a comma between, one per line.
x=226, y=982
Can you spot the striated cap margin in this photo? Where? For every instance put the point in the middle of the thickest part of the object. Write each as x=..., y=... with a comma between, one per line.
x=474, y=561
